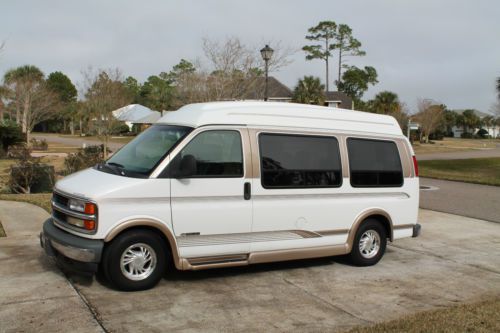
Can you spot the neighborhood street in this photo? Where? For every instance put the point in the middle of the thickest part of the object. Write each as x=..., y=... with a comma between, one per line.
x=76, y=141
x=448, y=264
x=472, y=200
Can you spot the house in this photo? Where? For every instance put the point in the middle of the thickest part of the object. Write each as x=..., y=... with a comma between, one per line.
x=338, y=99
x=278, y=92
x=136, y=114
x=493, y=131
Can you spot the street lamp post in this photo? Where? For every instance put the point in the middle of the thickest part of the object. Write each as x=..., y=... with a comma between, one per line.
x=266, y=54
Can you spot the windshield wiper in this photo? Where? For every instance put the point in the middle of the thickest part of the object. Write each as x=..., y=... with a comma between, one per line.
x=115, y=164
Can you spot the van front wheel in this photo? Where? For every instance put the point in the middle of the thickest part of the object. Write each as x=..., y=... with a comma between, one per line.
x=369, y=244
x=135, y=260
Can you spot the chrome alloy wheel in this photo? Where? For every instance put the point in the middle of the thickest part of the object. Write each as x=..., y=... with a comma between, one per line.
x=138, y=262
x=369, y=244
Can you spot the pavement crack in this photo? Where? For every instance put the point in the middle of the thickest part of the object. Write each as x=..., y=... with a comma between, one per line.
x=329, y=304
x=93, y=311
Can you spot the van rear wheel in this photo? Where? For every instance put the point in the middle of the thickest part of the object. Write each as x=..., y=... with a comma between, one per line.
x=369, y=243
x=135, y=260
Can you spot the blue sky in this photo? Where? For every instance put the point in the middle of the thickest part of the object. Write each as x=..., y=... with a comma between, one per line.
x=445, y=50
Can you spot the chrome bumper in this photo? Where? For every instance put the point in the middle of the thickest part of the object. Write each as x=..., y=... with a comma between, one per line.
x=57, y=242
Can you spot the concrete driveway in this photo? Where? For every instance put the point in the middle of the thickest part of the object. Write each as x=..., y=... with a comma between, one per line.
x=455, y=260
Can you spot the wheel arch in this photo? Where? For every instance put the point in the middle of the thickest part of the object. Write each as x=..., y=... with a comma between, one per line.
x=376, y=213
x=148, y=224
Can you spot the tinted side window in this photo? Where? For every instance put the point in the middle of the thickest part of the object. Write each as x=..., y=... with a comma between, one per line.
x=299, y=161
x=374, y=163
x=217, y=154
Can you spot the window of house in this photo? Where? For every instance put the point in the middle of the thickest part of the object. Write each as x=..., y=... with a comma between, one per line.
x=374, y=163
x=299, y=161
x=217, y=154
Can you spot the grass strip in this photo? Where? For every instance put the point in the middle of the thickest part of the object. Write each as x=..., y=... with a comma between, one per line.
x=474, y=170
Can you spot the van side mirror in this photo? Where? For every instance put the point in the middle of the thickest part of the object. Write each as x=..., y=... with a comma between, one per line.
x=185, y=168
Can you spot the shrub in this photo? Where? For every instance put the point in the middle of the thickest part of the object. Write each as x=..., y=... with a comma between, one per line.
x=438, y=135
x=31, y=176
x=84, y=158
x=120, y=129
x=10, y=135
x=466, y=135
x=39, y=144
x=483, y=134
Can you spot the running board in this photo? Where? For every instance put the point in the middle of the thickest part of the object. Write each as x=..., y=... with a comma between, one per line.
x=262, y=257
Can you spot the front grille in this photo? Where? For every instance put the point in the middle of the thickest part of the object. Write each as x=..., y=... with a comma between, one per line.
x=63, y=215
x=56, y=197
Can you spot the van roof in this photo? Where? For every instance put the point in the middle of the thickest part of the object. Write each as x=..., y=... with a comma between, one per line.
x=281, y=115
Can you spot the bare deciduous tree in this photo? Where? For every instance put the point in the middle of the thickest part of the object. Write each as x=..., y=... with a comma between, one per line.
x=231, y=70
x=429, y=116
x=105, y=92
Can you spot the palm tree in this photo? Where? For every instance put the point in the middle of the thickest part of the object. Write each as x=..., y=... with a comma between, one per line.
x=21, y=81
x=385, y=102
x=309, y=90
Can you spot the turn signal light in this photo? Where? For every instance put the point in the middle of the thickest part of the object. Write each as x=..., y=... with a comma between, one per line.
x=90, y=209
x=89, y=224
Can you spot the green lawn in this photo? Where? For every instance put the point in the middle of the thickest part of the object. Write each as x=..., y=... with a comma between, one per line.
x=38, y=199
x=475, y=317
x=475, y=170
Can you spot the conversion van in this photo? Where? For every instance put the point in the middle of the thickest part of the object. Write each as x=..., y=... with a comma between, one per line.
x=238, y=183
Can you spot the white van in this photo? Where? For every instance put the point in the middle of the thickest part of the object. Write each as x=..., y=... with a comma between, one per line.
x=238, y=183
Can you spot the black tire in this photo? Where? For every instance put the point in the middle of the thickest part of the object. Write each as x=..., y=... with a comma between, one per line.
x=135, y=240
x=357, y=257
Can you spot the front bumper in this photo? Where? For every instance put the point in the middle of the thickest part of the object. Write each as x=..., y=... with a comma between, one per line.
x=72, y=252
x=417, y=228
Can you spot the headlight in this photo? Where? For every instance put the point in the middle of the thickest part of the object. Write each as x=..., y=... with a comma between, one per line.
x=77, y=205
x=82, y=206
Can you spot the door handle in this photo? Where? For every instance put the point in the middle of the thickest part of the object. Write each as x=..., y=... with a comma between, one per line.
x=247, y=191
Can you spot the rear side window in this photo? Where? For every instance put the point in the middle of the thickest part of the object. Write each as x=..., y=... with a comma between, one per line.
x=297, y=161
x=374, y=163
x=217, y=154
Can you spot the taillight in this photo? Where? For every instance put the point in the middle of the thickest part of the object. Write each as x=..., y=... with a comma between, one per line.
x=415, y=165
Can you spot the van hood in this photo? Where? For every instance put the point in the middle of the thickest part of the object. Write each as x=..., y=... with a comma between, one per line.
x=94, y=184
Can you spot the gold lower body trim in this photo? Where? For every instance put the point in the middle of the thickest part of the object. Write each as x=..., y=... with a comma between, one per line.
x=262, y=257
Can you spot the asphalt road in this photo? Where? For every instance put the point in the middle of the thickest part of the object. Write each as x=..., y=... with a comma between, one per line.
x=450, y=263
x=76, y=142
x=472, y=200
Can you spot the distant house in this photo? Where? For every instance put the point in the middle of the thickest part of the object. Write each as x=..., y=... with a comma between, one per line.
x=136, y=114
x=494, y=131
x=278, y=92
x=338, y=99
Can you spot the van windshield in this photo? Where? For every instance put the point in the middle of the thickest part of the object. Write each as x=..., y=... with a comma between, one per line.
x=140, y=156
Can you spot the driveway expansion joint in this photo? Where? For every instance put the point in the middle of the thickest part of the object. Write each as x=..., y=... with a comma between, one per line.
x=329, y=304
x=93, y=311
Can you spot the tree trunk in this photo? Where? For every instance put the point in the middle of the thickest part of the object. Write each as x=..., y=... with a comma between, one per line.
x=26, y=109
x=72, y=127
x=326, y=60
x=105, y=150
x=340, y=66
